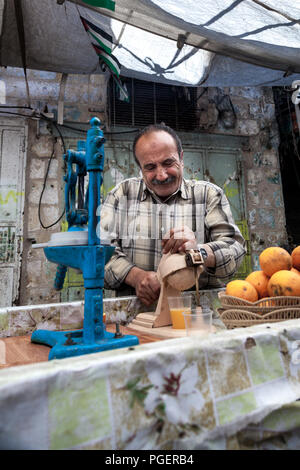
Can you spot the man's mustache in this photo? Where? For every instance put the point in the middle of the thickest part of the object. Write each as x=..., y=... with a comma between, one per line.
x=169, y=180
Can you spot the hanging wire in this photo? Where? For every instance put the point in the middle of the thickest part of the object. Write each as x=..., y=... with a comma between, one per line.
x=43, y=189
x=36, y=116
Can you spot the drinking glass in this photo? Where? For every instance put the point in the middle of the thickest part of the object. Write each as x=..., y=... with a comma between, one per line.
x=198, y=322
x=178, y=305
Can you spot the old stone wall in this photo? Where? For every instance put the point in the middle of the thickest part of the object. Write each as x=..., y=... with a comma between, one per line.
x=255, y=118
x=36, y=270
x=246, y=112
x=85, y=97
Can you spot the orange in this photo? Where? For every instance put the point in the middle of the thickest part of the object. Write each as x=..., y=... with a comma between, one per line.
x=274, y=259
x=284, y=283
x=296, y=257
x=294, y=270
x=259, y=280
x=242, y=289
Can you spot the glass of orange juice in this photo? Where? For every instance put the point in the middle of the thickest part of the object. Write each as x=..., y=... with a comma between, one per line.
x=179, y=305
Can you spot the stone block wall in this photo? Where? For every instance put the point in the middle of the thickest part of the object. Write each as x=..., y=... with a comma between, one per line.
x=85, y=97
x=265, y=203
x=35, y=284
x=255, y=119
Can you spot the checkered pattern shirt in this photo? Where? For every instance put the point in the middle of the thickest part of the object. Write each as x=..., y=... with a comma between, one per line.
x=135, y=220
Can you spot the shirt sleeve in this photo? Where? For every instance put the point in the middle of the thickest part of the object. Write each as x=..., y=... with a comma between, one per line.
x=222, y=235
x=117, y=268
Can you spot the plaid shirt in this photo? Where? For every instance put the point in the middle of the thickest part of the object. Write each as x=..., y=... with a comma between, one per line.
x=135, y=220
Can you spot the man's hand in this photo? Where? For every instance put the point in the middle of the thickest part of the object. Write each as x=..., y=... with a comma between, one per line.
x=179, y=239
x=146, y=284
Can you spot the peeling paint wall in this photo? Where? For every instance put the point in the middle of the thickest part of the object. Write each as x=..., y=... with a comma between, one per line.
x=253, y=121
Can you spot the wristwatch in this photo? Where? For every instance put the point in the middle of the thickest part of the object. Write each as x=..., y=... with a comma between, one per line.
x=203, y=252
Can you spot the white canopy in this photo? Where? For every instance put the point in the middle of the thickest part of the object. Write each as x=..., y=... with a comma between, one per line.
x=187, y=42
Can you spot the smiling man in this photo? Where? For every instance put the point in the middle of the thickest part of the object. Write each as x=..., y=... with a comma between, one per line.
x=161, y=161
x=162, y=212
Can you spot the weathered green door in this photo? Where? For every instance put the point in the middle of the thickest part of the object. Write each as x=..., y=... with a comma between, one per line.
x=222, y=167
x=193, y=163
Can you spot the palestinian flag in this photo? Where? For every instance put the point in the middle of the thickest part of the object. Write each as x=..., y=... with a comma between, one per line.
x=102, y=43
x=103, y=39
x=110, y=60
x=114, y=66
x=109, y=4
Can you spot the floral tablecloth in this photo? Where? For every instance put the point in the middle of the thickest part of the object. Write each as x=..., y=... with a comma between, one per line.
x=235, y=389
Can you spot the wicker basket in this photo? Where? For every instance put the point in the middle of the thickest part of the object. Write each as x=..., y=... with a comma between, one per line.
x=262, y=306
x=236, y=312
x=238, y=318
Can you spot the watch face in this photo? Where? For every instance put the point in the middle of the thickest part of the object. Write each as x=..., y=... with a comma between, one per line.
x=203, y=253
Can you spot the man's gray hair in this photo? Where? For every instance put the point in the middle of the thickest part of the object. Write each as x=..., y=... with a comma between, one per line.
x=156, y=128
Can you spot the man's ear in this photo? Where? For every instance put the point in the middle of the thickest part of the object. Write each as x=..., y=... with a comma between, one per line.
x=181, y=157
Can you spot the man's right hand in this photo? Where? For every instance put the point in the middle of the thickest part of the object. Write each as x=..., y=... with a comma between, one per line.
x=146, y=284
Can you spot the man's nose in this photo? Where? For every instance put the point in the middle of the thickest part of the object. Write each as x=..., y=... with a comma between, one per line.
x=162, y=173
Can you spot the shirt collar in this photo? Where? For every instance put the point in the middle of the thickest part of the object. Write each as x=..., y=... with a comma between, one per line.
x=184, y=191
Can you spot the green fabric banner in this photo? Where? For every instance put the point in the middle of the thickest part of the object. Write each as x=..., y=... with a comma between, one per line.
x=109, y=4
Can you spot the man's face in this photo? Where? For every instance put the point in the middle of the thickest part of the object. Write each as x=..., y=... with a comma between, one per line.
x=160, y=163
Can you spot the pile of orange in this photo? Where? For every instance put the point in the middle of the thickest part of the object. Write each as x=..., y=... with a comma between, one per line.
x=279, y=276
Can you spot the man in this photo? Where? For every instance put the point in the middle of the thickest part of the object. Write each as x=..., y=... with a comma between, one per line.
x=162, y=212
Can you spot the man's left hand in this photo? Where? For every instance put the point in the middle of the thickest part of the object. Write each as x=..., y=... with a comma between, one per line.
x=178, y=240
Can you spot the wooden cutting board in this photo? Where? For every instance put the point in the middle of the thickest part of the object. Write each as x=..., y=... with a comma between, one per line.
x=144, y=324
x=20, y=351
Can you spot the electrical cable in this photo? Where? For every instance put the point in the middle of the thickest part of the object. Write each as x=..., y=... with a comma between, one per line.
x=42, y=116
x=37, y=116
x=46, y=175
x=16, y=107
x=122, y=132
x=57, y=127
x=18, y=114
x=42, y=192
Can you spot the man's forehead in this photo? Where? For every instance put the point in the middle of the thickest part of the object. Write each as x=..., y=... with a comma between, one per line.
x=159, y=136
